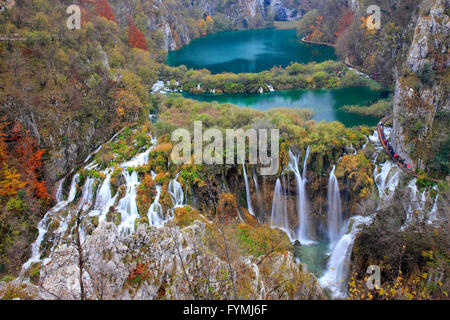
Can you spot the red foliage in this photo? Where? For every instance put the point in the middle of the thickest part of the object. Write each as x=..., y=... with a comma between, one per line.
x=29, y=157
x=104, y=9
x=136, y=38
x=344, y=21
x=139, y=274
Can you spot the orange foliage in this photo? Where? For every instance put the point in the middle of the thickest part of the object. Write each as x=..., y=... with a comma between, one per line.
x=10, y=181
x=316, y=33
x=344, y=21
x=202, y=27
x=227, y=208
x=104, y=9
x=136, y=38
x=139, y=274
x=128, y=104
x=29, y=157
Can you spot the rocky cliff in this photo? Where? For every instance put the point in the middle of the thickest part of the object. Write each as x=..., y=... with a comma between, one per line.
x=421, y=104
x=176, y=19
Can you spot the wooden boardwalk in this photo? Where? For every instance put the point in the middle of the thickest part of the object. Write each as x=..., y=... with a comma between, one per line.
x=406, y=170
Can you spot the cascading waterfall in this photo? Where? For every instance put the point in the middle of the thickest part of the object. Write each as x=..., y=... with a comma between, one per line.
x=155, y=212
x=42, y=225
x=258, y=194
x=247, y=192
x=387, y=180
x=59, y=194
x=415, y=204
x=302, y=206
x=104, y=199
x=335, y=277
x=87, y=196
x=73, y=188
x=104, y=193
x=127, y=205
x=305, y=164
x=432, y=217
x=176, y=193
x=279, y=217
x=334, y=208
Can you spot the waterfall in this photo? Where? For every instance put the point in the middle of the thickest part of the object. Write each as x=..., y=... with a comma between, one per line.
x=155, y=212
x=302, y=211
x=87, y=195
x=247, y=191
x=279, y=217
x=334, y=208
x=104, y=194
x=351, y=147
x=176, y=193
x=42, y=225
x=73, y=188
x=366, y=143
x=305, y=164
x=386, y=181
x=335, y=277
x=432, y=217
x=270, y=87
x=415, y=203
x=59, y=194
x=104, y=200
x=127, y=205
x=259, y=197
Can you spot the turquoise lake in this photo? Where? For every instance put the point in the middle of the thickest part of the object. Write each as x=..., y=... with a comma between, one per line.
x=248, y=51
x=325, y=103
x=258, y=50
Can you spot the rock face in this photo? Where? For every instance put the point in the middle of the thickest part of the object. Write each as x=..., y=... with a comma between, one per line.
x=282, y=11
x=421, y=93
x=175, y=261
x=173, y=18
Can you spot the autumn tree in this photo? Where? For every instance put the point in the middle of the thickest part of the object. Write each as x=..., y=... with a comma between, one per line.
x=136, y=38
x=29, y=157
x=10, y=180
x=344, y=21
x=103, y=9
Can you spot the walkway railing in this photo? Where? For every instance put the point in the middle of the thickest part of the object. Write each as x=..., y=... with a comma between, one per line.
x=396, y=161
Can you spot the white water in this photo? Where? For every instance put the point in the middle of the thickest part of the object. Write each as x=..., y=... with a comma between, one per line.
x=302, y=234
x=387, y=180
x=176, y=193
x=305, y=164
x=334, y=209
x=335, y=277
x=416, y=204
x=247, y=192
x=127, y=205
x=155, y=212
x=258, y=195
x=87, y=196
x=42, y=225
x=432, y=217
x=104, y=199
x=279, y=217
